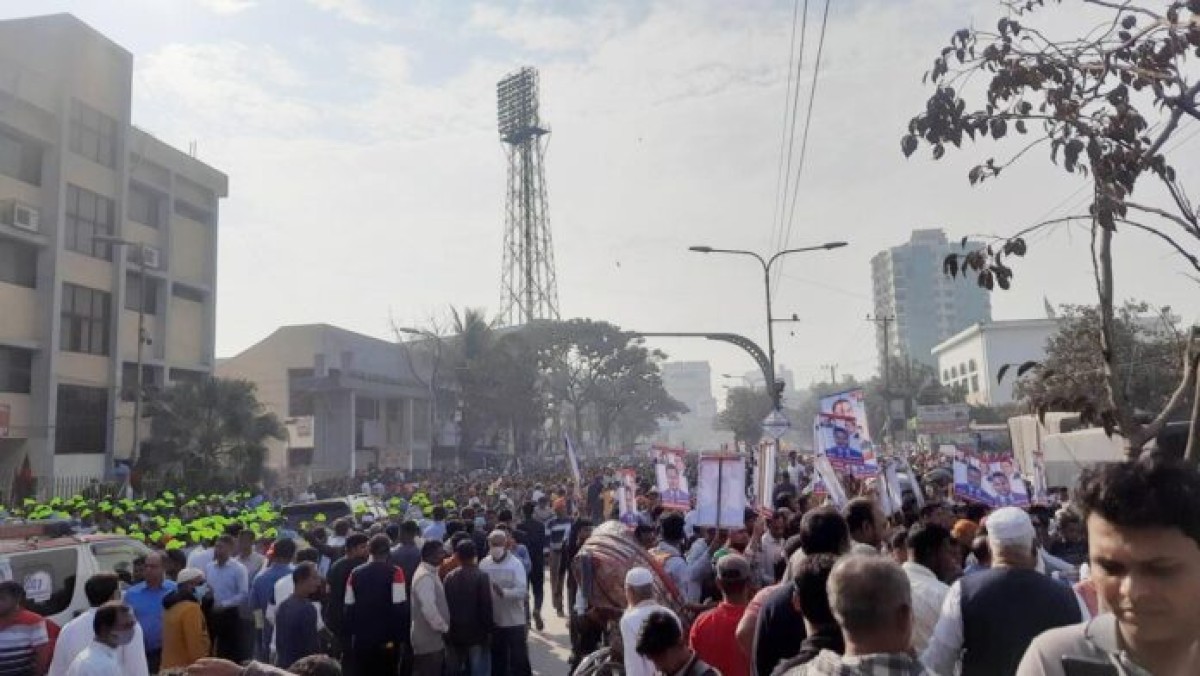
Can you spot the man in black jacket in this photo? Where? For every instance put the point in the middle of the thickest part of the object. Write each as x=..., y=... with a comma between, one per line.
x=339, y=573
x=469, y=597
x=377, y=613
x=534, y=533
x=811, y=597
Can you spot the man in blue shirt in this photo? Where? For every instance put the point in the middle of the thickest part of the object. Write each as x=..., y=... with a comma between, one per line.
x=282, y=552
x=145, y=598
x=437, y=529
x=231, y=591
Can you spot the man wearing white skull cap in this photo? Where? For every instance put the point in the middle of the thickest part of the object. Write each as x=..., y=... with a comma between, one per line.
x=989, y=619
x=639, y=592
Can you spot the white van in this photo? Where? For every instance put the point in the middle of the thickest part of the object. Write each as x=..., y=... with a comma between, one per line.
x=53, y=570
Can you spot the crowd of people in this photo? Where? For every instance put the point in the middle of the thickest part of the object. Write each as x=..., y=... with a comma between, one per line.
x=456, y=579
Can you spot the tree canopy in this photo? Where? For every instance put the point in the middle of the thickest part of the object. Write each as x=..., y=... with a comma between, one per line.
x=1104, y=104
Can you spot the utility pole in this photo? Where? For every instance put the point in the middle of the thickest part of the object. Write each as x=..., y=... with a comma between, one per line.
x=885, y=356
x=832, y=368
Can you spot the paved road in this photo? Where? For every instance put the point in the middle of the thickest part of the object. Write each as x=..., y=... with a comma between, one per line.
x=550, y=649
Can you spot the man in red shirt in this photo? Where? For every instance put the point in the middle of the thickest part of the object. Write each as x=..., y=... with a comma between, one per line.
x=25, y=646
x=713, y=635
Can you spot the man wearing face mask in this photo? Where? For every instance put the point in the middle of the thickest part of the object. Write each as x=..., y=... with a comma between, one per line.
x=114, y=628
x=510, y=652
x=79, y=633
x=184, y=632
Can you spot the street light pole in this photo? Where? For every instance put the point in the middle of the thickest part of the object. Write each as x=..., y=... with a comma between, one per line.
x=767, y=264
x=141, y=341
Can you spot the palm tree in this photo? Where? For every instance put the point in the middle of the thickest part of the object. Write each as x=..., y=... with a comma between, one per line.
x=208, y=430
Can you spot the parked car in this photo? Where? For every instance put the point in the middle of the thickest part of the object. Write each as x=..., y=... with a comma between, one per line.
x=359, y=506
x=53, y=568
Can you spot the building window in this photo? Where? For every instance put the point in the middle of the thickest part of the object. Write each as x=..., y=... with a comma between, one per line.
x=16, y=369
x=20, y=158
x=18, y=263
x=88, y=215
x=144, y=206
x=187, y=376
x=300, y=402
x=187, y=293
x=193, y=212
x=93, y=134
x=129, y=380
x=945, y=376
x=953, y=371
x=146, y=293
x=974, y=384
x=971, y=366
x=82, y=421
x=85, y=320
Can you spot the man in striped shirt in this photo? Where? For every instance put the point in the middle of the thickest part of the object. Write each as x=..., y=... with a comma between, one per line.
x=377, y=622
x=24, y=642
x=556, y=532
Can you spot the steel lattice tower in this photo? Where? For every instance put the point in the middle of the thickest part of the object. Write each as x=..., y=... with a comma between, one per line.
x=527, y=286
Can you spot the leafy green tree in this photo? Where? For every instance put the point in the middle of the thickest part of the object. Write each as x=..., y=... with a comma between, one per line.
x=1104, y=106
x=745, y=409
x=1072, y=376
x=209, y=430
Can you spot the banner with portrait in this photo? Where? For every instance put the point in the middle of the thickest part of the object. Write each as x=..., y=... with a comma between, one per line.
x=721, y=492
x=849, y=410
x=670, y=477
x=627, y=497
x=837, y=441
x=990, y=479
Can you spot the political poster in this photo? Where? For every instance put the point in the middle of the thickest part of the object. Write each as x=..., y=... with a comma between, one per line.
x=764, y=477
x=827, y=482
x=671, y=480
x=844, y=449
x=627, y=498
x=721, y=492
x=988, y=478
x=849, y=411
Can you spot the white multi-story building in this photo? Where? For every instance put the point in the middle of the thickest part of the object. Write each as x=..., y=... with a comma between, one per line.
x=919, y=303
x=690, y=382
x=973, y=357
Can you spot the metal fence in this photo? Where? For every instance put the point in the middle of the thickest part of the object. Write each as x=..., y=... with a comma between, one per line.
x=60, y=487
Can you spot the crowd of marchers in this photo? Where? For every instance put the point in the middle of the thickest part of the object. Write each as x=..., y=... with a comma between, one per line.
x=1105, y=583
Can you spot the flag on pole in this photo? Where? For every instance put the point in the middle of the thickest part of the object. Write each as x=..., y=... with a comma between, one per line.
x=574, y=460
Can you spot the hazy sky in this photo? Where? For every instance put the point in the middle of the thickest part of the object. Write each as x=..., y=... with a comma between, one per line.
x=367, y=177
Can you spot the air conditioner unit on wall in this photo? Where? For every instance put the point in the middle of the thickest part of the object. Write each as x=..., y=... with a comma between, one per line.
x=19, y=215
x=151, y=257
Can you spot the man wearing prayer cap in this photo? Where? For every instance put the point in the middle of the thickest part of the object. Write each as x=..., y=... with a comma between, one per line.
x=639, y=593
x=989, y=619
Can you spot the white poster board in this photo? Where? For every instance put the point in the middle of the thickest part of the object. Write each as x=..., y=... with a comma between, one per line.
x=721, y=492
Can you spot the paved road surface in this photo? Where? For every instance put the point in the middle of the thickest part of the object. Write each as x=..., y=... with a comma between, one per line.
x=550, y=649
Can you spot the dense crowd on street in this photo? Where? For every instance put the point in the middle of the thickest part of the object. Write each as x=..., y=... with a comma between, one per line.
x=453, y=582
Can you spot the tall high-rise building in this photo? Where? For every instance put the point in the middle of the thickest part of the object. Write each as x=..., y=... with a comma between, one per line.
x=101, y=225
x=690, y=382
x=916, y=305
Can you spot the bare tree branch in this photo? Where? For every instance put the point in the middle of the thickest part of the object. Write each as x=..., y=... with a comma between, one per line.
x=1189, y=256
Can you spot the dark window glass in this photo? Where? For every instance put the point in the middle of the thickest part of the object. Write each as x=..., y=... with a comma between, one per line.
x=20, y=158
x=85, y=320
x=195, y=213
x=144, y=206
x=187, y=293
x=187, y=376
x=129, y=380
x=135, y=291
x=93, y=134
x=88, y=215
x=18, y=263
x=16, y=368
x=300, y=403
x=82, y=420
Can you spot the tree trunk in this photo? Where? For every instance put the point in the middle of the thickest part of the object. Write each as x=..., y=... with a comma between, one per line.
x=1193, y=445
x=1116, y=400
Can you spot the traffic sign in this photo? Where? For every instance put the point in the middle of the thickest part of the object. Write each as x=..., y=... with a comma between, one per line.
x=776, y=424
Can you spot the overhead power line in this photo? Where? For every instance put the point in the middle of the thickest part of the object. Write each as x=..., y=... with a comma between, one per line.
x=791, y=103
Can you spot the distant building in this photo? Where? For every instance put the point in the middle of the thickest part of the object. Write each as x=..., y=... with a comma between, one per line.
x=928, y=307
x=973, y=357
x=72, y=168
x=349, y=401
x=690, y=382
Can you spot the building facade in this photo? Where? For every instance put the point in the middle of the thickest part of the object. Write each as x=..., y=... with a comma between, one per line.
x=919, y=305
x=690, y=382
x=350, y=402
x=73, y=171
x=972, y=358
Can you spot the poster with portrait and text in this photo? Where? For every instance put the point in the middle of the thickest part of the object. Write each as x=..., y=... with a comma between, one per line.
x=670, y=478
x=990, y=479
